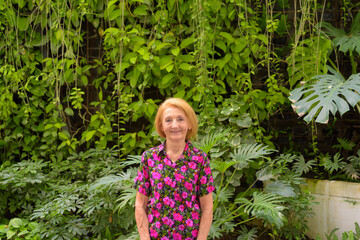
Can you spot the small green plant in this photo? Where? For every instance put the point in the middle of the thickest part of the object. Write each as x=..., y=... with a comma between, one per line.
x=18, y=228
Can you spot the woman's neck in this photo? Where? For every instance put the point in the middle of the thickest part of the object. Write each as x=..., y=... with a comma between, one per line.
x=174, y=149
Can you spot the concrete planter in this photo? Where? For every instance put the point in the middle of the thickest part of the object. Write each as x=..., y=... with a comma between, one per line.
x=339, y=207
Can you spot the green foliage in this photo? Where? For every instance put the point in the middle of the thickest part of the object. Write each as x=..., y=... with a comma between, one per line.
x=347, y=235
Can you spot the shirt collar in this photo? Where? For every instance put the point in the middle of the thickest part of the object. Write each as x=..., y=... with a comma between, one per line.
x=187, y=148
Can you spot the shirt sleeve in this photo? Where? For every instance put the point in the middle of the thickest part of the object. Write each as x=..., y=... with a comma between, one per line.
x=205, y=180
x=142, y=179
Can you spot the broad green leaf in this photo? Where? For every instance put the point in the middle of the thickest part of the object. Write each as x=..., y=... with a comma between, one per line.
x=165, y=61
x=186, y=81
x=89, y=135
x=281, y=188
x=230, y=39
x=141, y=10
x=221, y=166
x=16, y=223
x=187, y=42
x=167, y=78
x=330, y=93
x=175, y=51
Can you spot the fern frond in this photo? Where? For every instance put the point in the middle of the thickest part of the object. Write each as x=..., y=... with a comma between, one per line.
x=127, y=198
x=301, y=166
x=345, y=144
x=352, y=172
x=335, y=165
x=209, y=141
x=246, y=234
x=132, y=160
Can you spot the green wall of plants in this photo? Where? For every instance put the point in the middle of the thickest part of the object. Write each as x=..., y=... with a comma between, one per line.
x=80, y=82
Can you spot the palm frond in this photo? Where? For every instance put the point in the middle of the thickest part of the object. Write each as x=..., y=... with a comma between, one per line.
x=264, y=204
x=249, y=152
x=110, y=181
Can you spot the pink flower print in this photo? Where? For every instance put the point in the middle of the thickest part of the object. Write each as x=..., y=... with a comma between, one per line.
x=173, y=184
x=196, y=206
x=150, y=218
x=193, y=197
x=166, y=220
x=192, y=165
x=152, y=182
x=188, y=238
x=177, y=236
x=210, y=188
x=168, y=181
x=160, y=185
x=188, y=186
x=156, y=213
x=172, y=203
x=152, y=200
x=164, y=238
x=156, y=157
x=181, y=227
x=207, y=171
x=188, y=204
x=177, y=197
x=181, y=208
x=203, y=180
x=195, y=215
x=160, y=167
x=178, y=177
x=158, y=206
x=183, y=168
x=157, y=225
x=167, y=162
x=166, y=201
x=156, y=195
x=151, y=163
x=146, y=175
x=184, y=195
x=147, y=184
x=177, y=217
x=195, y=158
x=140, y=177
x=189, y=223
x=142, y=190
x=153, y=233
x=194, y=233
x=156, y=175
x=171, y=222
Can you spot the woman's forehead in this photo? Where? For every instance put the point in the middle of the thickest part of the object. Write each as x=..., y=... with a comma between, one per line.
x=173, y=111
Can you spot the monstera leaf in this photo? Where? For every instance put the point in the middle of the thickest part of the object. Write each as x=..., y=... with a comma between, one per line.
x=328, y=93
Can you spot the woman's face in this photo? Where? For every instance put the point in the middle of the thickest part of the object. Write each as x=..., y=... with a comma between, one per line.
x=175, y=124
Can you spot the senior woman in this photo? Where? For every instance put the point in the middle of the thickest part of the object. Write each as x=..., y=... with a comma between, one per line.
x=174, y=181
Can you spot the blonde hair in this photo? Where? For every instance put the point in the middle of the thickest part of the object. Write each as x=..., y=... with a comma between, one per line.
x=183, y=105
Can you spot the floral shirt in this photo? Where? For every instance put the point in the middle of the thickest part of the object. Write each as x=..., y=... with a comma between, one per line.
x=174, y=190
